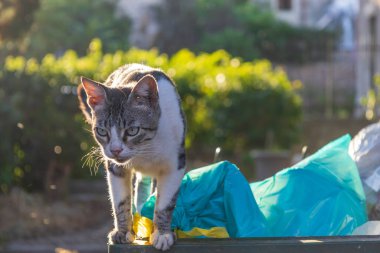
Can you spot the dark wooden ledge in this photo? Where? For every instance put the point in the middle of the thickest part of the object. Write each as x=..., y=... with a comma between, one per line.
x=345, y=244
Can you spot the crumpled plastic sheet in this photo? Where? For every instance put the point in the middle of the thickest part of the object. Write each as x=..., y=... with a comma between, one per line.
x=365, y=151
x=320, y=196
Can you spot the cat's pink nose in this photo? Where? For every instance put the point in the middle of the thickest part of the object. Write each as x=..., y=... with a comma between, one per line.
x=116, y=151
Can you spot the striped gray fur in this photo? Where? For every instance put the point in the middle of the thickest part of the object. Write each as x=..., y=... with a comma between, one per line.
x=123, y=216
x=182, y=159
x=134, y=75
x=116, y=170
x=162, y=218
x=115, y=113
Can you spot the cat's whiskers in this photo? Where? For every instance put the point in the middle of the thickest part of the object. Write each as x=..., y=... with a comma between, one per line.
x=93, y=159
x=88, y=129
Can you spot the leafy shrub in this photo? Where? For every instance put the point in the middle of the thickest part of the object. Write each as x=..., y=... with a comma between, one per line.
x=235, y=104
x=228, y=102
x=39, y=127
x=234, y=41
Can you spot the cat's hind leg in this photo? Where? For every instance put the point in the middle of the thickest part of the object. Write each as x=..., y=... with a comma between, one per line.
x=120, y=191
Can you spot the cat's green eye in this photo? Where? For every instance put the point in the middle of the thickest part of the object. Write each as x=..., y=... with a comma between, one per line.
x=132, y=131
x=101, y=131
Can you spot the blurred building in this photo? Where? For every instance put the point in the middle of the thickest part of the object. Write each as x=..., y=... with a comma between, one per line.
x=359, y=24
x=299, y=12
x=310, y=12
x=144, y=28
x=320, y=14
x=368, y=54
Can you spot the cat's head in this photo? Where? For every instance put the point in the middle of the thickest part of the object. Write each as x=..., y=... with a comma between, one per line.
x=124, y=120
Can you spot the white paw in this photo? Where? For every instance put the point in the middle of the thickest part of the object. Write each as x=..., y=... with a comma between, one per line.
x=120, y=237
x=162, y=241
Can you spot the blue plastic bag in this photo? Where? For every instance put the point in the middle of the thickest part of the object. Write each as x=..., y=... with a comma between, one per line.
x=215, y=201
x=320, y=196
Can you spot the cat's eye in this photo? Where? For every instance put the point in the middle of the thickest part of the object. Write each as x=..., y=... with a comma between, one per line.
x=132, y=131
x=101, y=131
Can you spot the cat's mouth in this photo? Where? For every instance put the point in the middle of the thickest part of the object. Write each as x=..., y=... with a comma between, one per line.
x=120, y=160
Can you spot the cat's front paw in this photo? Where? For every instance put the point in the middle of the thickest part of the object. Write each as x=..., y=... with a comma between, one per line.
x=162, y=241
x=120, y=237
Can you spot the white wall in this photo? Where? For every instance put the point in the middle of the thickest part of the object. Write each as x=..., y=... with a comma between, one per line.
x=292, y=16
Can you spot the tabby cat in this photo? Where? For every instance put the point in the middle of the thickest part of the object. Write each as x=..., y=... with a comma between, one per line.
x=137, y=120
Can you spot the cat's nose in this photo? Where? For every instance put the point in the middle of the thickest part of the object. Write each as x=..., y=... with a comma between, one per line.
x=116, y=151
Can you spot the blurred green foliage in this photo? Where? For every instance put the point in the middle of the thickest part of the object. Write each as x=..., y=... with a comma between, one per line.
x=242, y=29
x=371, y=102
x=237, y=26
x=281, y=42
x=16, y=17
x=228, y=102
x=59, y=25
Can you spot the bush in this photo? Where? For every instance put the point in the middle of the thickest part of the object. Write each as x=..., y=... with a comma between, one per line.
x=228, y=103
x=234, y=41
x=235, y=104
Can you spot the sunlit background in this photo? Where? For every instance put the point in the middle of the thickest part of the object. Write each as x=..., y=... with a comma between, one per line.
x=265, y=82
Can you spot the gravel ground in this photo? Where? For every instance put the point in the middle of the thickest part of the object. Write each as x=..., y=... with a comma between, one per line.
x=79, y=224
x=85, y=241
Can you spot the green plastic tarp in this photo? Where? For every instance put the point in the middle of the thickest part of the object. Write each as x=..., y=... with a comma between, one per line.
x=320, y=196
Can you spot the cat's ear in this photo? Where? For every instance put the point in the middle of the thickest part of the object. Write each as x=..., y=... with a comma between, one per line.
x=146, y=91
x=91, y=95
x=96, y=93
x=82, y=96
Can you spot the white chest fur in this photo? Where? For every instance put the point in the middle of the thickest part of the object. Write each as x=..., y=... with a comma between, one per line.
x=166, y=143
